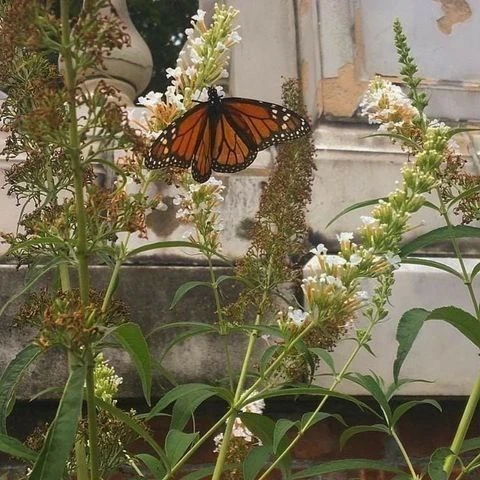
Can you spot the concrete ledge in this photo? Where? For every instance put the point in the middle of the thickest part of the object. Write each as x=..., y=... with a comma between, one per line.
x=440, y=354
x=148, y=292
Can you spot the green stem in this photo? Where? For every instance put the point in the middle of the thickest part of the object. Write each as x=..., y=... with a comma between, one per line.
x=238, y=393
x=468, y=467
x=333, y=386
x=70, y=79
x=74, y=147
x=466, y=277
x=404, y=453
x=218, y=306
x=474, y=398
x=81, y=459
x=463, y=427
x=92, y=418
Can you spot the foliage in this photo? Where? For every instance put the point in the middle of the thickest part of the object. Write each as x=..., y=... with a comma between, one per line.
x=68, y=221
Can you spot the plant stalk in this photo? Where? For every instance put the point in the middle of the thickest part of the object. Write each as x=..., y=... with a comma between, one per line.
x=333, y=386
x=70, y=78
x=463, y=427
x=404, y=453
x=474, y=398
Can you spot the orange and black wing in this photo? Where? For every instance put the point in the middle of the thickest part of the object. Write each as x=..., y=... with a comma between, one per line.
x=247, y=126
x=185, y=142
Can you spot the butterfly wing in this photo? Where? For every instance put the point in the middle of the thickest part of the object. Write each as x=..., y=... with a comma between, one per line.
x=185, y=142
x=247, y=126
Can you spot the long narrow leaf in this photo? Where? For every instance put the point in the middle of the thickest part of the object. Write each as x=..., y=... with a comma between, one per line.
x=55, y=262
x=408, y=327
x=156, y=467
x=159, y=245
x=433, y=264
x=442, y=234
x=133, y=425
x=130, y=336
x=464, y=194
x=401, y=410
x=58, y=445
x=15, y=448
x=345, y=465
x=463, y=321
x=12, y=376
x=352, y=431
x=183, y=289
x=356, y=206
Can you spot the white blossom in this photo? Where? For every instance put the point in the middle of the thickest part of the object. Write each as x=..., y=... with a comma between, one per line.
x=335, y=260
x=393, y=259
x=297, y=316
x=368, y=220
x=200, y=15
x=345, y=237
x=150, y=99
x=355, y=259
x=320, y=250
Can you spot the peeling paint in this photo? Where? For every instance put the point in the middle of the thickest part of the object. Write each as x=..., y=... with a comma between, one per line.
x=305, y=7
x=455, y=11
x=339, y=96
x=342, y=94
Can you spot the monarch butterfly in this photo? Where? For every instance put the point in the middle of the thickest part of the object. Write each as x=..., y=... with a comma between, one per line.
x=224, y=134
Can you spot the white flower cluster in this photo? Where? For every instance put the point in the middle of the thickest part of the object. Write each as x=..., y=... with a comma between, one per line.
x=239, y=429
x=387, y=105
x=106, y=381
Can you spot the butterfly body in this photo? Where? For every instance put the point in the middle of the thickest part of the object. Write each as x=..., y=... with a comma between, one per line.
x=224, y=135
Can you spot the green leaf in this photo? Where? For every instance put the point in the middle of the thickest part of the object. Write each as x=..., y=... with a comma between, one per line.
x=281, y=428
x=396, y=136
x=185, y=407
x=255, y=461
x=60, y=438
x=177, y=443
x=401, y=410
x=343, y=465
x=185, y=288
x=356, y=206
x=352, y=431
x=442, y=234
x=267, y=356
x=463, y=321
x=319, y=417
x=154, y=465
x=432, y=263
x=15, y=448
x=372, y=385
x=39, y=273
x=471, y=444
x=158, y=245
x=260, y=425
x=203, y=473
x=11, y=377
x=457, y=130
x=133, y=425
x=203, y=329
x=213, y=328
x=435, y=465
x=464, y=194
x=322, y=354
x=34, y=241
x=407, y=330
x=475, y=271
x=313, y=390
x=263, y=427
x=188, y=389
x=130, y=336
